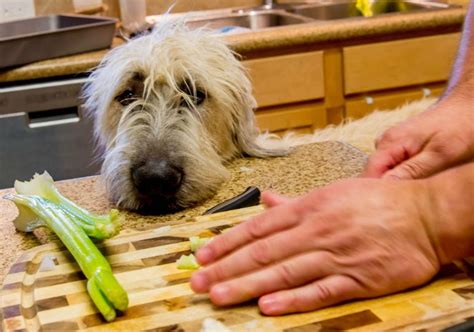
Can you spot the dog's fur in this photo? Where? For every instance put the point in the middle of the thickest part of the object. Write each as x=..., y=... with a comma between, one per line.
x=165, y=75
x=181, y=98
x=361, y=133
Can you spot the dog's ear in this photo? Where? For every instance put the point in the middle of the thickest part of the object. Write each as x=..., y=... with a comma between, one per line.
x=253, y=144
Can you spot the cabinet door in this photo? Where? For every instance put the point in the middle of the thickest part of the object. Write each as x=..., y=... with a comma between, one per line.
x=301, y=118
x=399, y=63
x=287, y=78
x=357, y=107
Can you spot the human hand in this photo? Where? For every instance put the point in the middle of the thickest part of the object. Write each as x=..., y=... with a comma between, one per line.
x=356, y=238
x=428, y=143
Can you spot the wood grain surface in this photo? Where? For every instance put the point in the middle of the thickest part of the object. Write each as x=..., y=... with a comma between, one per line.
x=46, y=290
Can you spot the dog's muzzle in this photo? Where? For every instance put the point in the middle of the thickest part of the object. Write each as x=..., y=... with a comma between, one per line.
x=157, y=179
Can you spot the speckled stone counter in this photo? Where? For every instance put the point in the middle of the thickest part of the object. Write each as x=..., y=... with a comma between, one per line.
x=308, y=166
x=318, y=34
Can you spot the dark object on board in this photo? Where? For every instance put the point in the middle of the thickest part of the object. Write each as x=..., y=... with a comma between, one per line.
x=250, y=197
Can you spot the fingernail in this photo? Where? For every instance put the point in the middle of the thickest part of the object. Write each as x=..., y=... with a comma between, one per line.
x=270, y=305
x=220, y=294
x=199, y=282
x=205, y=255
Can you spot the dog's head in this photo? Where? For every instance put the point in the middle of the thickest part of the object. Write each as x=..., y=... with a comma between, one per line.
x=169, y=109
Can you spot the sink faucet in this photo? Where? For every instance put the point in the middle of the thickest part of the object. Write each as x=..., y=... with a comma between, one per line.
x=268, y=4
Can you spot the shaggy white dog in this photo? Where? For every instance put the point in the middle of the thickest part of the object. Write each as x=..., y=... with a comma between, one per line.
x=171, y=108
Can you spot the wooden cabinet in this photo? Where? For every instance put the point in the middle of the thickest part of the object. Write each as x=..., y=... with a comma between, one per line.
x=308, y=90
x=302, y=118
x=287, y=78
x=401, y=63
x=358, y=107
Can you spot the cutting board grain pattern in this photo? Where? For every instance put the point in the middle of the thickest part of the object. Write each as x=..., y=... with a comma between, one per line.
x=45, y=290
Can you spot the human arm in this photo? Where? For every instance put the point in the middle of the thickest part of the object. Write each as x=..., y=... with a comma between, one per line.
x=357, y=238
x=440, y=137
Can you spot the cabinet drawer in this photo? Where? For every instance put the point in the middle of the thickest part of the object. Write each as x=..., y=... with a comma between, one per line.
x=299, y=116
x=358, y=107
x=287, y=79
x=399, y=63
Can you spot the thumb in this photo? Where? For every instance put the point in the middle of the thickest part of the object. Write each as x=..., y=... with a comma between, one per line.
x=420, y=166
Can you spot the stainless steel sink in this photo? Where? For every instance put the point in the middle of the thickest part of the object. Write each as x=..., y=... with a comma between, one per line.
x=279, y=15
x=249, y=20
x=335, y=10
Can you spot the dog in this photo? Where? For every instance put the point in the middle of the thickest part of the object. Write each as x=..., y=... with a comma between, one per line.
x=171, y=108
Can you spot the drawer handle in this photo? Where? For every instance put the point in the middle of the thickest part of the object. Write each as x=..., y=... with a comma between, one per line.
x=369, y=100
x=426, y=92
x=53, y=117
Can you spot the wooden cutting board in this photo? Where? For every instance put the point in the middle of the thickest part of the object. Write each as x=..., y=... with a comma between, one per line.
x=45, y=290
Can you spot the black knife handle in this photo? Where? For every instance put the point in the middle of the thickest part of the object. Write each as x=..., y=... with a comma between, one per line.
x=466, y=326
x=250, y=197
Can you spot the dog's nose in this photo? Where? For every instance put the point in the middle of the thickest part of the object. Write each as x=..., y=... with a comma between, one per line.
x=157, y=178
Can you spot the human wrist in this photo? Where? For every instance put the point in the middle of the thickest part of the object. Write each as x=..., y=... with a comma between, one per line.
x=450, y=220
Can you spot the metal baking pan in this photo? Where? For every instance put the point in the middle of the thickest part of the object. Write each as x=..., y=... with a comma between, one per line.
x=46, y=37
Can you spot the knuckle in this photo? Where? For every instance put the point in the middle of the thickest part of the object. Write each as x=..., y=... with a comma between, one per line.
x=414, y=169
x=261, y=252
x=445, y=150
x=322, y=293
x=254, y=228
x=286, y=275
x=387, y=136
x=378, y=140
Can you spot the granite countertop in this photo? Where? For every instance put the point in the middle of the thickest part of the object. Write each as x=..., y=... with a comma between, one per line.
x=320, y=34
x=308, y=166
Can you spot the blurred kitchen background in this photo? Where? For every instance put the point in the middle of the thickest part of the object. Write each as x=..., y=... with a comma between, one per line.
x=330, y=68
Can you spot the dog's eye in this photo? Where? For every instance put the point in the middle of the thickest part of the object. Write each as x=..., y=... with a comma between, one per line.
x=197, y=95
x=126, y=97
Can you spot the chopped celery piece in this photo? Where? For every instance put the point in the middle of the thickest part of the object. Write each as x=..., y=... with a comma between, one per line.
x=97, y=226
x=198, y=242
x=187, y=262
x=104, y=289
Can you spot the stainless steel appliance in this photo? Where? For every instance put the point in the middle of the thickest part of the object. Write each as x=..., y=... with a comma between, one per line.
x=45, y=37
x=43, y=127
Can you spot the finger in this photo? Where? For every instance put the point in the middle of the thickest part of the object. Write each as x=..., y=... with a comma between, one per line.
x=420, y=166
x=255, y=256
x=290, y=273
x=318, y=294
x=384, y=160
x=270, y=199
x=273, y=220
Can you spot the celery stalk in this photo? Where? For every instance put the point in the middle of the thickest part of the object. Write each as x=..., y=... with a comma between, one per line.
x=96, y=226
x=103, y=288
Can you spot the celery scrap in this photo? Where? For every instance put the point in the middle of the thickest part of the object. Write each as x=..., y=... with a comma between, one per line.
x=198, y=242
x=97, y=226
x=187, y=262
x=104, y=289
